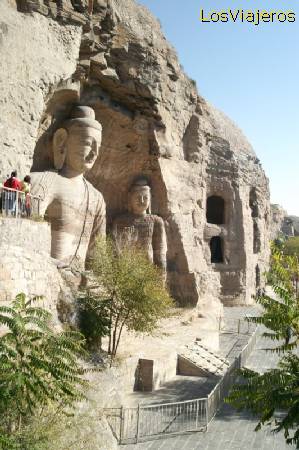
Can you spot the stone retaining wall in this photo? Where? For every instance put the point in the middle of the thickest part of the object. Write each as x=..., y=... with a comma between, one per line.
x=25, y=265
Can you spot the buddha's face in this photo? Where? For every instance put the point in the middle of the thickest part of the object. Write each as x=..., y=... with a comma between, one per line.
x=82, y=148
x=139, y=200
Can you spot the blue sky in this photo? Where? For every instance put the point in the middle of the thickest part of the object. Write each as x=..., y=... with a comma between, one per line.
x=249, y=72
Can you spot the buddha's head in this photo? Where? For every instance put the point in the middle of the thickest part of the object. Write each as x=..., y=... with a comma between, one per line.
x=139, y=197
x=76, y=144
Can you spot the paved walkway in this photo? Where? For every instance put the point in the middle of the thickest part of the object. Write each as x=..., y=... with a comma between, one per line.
x=230, y=430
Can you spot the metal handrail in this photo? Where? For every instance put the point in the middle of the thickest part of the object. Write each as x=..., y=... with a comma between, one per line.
x=17, y=203
x=20, y=191
x=211, y=404
x=174, y=403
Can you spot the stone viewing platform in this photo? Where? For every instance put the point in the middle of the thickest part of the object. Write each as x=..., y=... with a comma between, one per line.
x=189, y=400
x=232, y=339
x=230, y=429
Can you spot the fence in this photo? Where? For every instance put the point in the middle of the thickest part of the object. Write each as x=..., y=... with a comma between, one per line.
x=132, y=425
x=236, y=325
x=221, y=390
x=14, y=203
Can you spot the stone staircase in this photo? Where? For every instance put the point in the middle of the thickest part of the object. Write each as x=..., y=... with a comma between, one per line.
x=197, y=360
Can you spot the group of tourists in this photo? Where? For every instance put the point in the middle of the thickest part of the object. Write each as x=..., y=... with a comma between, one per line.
x=10, y=201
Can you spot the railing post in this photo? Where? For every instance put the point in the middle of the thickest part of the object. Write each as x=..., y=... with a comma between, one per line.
x=197, y=408
x=121, y=429
x=17, y=204
x=239, y=324
x=138, y=424
x=207, y=412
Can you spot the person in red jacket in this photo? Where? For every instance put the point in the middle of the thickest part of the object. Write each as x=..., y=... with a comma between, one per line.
x=10, y=197
x=13, y=182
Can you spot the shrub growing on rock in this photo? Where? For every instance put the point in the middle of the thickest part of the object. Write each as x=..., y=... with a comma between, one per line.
x=292, y=246
x=129, y=289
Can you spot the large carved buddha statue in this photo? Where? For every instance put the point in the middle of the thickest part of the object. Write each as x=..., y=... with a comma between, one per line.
x=140, y=228
x=74, y=208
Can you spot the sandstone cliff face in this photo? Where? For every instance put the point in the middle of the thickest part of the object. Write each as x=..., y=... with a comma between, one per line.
x=282, y=223
x=278, y=215
x=35, y=58
x=295, y=221
x=154, y=123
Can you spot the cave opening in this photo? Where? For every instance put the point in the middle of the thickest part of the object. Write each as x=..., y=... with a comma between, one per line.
x=215, y=210
x=216, y=247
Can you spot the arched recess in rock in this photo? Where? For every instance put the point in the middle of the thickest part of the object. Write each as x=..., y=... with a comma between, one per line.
x=192, y=140
x=217, y=250
x=129, y=149
x=58, y=105
x=125, y=154
x=215, y=210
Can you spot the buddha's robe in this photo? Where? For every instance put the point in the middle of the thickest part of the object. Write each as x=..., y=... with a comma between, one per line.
x=147, y=232
x=76, y=212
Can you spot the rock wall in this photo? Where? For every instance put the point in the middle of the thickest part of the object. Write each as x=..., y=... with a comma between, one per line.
x=25, y=265
x=282, y=223
x=154, y=123
x=295, y=221
x=37, y=56
x=278, y=215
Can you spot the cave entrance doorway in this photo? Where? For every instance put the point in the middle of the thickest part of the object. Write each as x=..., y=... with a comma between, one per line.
x=215, y=210
x=216, y=247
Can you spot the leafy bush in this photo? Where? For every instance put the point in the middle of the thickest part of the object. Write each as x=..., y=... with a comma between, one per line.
x=93, y=320
x=277, y=390
x=37, y=367
x=291, y=246
x=130, y=289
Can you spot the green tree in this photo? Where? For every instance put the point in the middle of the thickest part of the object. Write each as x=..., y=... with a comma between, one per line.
x=274, y=395
x=94, y=322
x=129, y=288
x=291, y=246
x=37, y=367
x=284, y=271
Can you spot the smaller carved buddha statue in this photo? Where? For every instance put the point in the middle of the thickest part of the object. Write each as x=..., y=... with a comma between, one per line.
x=74, y=208
x=139, y=227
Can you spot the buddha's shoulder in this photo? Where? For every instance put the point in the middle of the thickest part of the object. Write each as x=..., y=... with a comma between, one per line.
x=94, y=193
x=43, y=182
x=43, y=177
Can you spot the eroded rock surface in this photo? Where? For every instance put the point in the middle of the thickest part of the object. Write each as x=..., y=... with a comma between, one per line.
x=283, y=224
x=208, y=185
